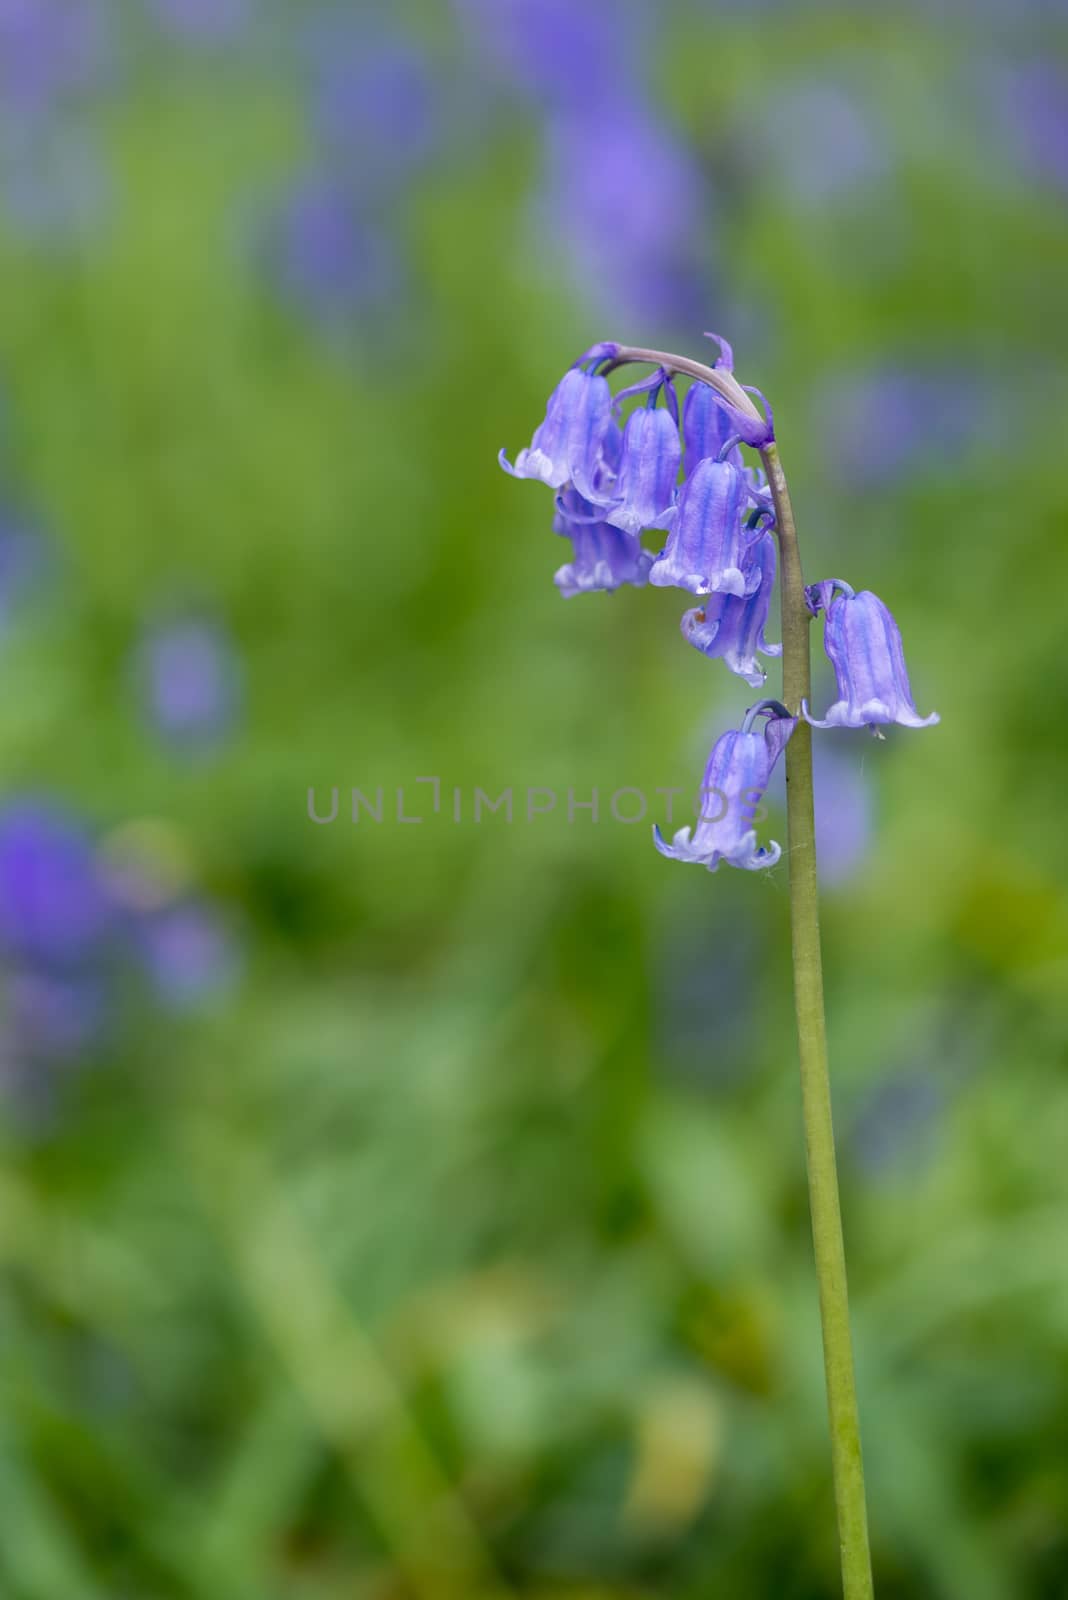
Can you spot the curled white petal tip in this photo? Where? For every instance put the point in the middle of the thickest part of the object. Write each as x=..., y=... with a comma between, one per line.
x=682, y=848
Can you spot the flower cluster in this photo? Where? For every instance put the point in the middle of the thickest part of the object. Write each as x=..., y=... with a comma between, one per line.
x=680, y=471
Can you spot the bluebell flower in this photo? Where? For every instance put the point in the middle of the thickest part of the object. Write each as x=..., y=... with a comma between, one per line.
x=604, y=556
x=732, y=629
x=708, y=545
x=735, y=781
x=706, y=427
x=579, y=441
x=863, y=644
x=648, y=470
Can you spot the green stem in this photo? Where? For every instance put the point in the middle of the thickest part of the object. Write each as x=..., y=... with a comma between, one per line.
x=815, y=1079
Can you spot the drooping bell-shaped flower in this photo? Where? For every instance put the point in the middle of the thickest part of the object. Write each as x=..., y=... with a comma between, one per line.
x=736, y=777
x=863, y=643
x=578, y=442
x=605, y=557
x=732, y=629
x=572, y=510
x=706, y=427
x=648, y=471
x=707, y=549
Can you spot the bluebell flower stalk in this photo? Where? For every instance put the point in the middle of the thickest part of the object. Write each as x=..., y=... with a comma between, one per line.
x=729, y=526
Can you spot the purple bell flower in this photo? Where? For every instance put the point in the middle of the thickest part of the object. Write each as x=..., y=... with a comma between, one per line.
x=579, y=440
x=863, y=644
x=707, y=426
x=707, y=548
x=732, y=629
x=648, y=471
x=736, y=777
x=605, y=557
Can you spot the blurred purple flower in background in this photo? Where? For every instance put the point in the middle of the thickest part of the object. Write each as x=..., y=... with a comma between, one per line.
x=190, y=956
x=620, y=194
x=373, y=108
x=880, y=423
x=374, y=104
x=202, y=21
x=559, y=52
x=54, y=909
x=54, y=56
x=54, y=1017
x=1030, y=102
x=624, y=198
x=51, y=51
x=708, y=1020
x=843, y=807
x=818, y=140
x=328, y=259
x=900, y=1116
x=57, y=927
x=25, y=561
x=844, y=804
x=897, y=1119
x=190, y=680
x=81, y=930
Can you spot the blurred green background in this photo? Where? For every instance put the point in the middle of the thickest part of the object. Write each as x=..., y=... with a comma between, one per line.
x=419, y=1210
